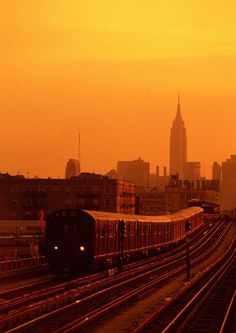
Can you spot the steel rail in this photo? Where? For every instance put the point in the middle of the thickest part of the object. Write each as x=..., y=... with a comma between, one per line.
x=37, y=295
x=89, y=318
x=228, y=313
x=144, y=323
x=207, y=288
x=76, y=296
x=97, y=313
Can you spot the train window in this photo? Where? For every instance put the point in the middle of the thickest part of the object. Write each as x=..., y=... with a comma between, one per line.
x=102, y=229
x=132, y=229
x=69, y=229
x=64, y=213
x=143, y=228
x=73, y=213
x=111, y=228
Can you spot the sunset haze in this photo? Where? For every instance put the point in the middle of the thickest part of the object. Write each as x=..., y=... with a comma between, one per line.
x=112, y=71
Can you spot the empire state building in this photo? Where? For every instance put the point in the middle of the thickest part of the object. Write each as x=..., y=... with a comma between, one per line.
x=178, y=145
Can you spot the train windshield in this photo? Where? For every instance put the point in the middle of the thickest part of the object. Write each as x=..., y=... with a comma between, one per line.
x=69, y=228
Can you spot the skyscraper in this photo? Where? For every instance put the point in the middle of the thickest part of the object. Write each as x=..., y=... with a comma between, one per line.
x=192, y=171
x=178, y=145
x=216, y=171
x=228, y=184
x=136, y=171
x=72, y=168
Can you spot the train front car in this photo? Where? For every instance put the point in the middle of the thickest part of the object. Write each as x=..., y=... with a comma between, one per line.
x=70, y=240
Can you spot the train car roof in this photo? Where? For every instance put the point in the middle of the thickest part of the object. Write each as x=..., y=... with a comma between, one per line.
x=180, y=215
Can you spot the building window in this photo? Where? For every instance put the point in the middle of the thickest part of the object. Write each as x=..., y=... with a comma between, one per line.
x=67, y=190
x=81, y=201
x=28, y=190
x=108, y=189
x=108, y=203
x=28, y=202
x=14, y=215
x=14, y=190
x=42, y=190
x=28, y=213
x=55, y=190
x=95, y=202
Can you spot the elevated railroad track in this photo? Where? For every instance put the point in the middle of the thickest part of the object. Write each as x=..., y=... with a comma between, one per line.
x=85, y=301
x=204, y=305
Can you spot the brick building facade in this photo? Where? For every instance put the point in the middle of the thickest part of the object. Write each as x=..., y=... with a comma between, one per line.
x=22, y=198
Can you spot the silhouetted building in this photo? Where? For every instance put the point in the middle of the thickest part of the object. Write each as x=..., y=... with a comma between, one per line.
x=178, y=145
x=228, y=184
x=178, y=193
x=23, y=199
x=136, y=171
x=192, y=170
x=216, y=171
x=112, y=174
x=210, y=184
x=162, y=181
x=153, y=180
x=152, y=202
x=175, y=196
x=72, y=168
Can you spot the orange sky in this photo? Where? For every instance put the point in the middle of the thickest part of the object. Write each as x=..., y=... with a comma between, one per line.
x=112, y=70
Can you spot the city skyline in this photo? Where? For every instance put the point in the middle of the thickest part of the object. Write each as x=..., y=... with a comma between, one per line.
x=178, y=116
x=111, y=71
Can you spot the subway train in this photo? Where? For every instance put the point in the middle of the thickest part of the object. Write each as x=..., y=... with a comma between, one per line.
x=81, y=240
x=211, y=210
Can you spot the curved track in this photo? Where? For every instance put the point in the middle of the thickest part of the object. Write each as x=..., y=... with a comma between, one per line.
x=90, y=303
x=204, y=306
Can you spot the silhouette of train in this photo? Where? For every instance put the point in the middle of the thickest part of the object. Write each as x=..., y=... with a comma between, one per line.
x=211, y=210
x=80, y=240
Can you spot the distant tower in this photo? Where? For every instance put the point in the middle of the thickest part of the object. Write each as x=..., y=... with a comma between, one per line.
x=228, y=184
x=79, y=157
x=216, y=171
x=178, y=145
x=136, y=171
x=73, y=166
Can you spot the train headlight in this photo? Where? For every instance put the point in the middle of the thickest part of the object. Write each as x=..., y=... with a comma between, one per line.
x=82, y=248
x=55, y=247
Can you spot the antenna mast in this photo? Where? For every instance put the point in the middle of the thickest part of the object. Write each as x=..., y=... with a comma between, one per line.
x=79, y=152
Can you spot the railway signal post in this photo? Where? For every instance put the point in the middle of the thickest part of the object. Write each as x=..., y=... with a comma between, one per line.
x=187, y=238
x=122, y=230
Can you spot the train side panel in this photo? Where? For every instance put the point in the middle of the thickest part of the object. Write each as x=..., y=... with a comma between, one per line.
x=100, y=235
